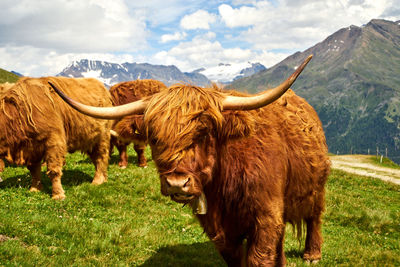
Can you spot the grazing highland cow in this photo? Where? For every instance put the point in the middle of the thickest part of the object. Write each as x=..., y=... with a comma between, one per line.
x=246, y=164
x=35, y=124
x=129, y=128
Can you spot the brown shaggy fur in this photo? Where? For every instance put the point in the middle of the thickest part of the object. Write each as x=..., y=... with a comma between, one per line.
x=36, y=124
x=258, y=169
x=130, y=127
x=3, y=88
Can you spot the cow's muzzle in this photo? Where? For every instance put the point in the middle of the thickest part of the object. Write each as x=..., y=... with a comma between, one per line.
x=178, y=188
x=181, y=189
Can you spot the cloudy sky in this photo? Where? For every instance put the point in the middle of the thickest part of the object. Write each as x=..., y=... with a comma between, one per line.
x=42, y=37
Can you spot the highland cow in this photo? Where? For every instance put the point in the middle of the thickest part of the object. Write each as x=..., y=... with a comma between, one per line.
x=246, y=164
x=129, y=128
x=35, y=124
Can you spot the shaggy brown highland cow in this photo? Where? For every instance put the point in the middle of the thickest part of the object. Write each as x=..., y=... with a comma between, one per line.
x=246, y=164
x=36, y=124
x=129, y=128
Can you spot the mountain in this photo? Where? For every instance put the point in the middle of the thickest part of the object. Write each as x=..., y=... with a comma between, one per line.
x=6, y=76
x=112, y=73
x=353, y=82
x=226, y=73
x=17, y=73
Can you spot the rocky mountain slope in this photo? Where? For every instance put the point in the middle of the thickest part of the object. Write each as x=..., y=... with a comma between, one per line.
x=353, y=81
x=112, y=73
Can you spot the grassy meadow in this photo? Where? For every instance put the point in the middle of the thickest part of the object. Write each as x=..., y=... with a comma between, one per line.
x=127, y=222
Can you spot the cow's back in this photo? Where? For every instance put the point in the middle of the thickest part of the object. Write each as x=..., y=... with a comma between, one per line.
x=130, y=91
x=48, y=114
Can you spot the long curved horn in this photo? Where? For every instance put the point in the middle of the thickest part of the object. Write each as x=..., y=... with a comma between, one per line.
x=109, y=113
x=114, y=133
x=265, y=98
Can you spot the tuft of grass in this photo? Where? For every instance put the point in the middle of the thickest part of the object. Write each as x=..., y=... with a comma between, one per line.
x=127, y=222
x=386, y=162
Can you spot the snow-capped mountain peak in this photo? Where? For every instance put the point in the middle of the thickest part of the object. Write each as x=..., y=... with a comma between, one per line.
x=112, y=73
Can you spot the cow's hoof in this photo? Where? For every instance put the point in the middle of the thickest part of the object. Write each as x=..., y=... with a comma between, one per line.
x=122, y=167
x=58, y=197
x=98, y=181
x=312, y=262
x=34, y=189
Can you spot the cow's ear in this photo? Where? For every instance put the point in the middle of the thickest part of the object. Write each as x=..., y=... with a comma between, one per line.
x=237, y=124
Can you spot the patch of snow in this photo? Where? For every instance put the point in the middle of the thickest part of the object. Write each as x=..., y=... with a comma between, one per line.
x=97, y=75
x=225, y=72
x=92, y=74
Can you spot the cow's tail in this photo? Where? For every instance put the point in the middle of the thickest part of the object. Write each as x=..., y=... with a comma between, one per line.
x=299, y=230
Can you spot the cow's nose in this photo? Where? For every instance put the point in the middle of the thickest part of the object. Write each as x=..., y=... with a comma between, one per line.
x=178, y=183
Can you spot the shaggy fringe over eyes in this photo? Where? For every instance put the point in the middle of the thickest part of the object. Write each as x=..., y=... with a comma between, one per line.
x=175, y=116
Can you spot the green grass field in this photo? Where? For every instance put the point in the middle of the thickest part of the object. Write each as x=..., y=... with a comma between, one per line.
x=127, y=222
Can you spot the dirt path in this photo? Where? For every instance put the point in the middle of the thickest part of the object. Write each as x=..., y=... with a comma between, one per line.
x=361, y=165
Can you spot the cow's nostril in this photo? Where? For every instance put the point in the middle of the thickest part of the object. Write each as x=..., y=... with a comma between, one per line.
x=177, y=183
x=187, y=182
x=167, y=183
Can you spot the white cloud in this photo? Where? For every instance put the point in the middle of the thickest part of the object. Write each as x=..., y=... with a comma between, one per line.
x=177, y=36
x=71, y=25
x=200, y=19
x=298, y=24
x=243, y=16
x=203, y=52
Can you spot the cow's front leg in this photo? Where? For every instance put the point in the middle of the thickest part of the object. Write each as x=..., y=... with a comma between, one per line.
x=99, y=156
x=35, y=170
x=233, y=253
x=55, y=158
x=265, y=246
x=54, y=172
x=140, y=148
x=123, y=154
